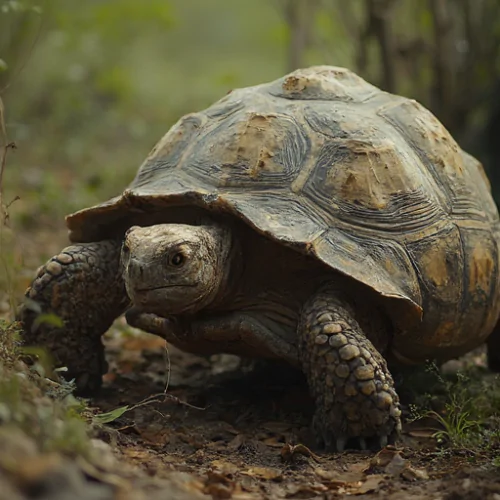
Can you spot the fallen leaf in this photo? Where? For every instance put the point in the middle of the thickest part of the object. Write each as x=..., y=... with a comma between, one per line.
x=307, y=491
x=237, y=442
x=219, y=485
x=360, y=466
x=396, y=466
x=411, y=474
x=224, y=467
x=422, y=433
x=273, y=442
x=335, y=478
x=289, y=452
x=264, y=473
x=384, y=456
x=371, y=484
x=276, y=427
x=110, y=416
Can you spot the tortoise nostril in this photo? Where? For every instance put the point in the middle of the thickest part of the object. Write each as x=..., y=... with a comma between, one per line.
x=135, y=269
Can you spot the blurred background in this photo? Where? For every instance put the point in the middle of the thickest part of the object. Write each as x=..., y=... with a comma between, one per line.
x=89, y=86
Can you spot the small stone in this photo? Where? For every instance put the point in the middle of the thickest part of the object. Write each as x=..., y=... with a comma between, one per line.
x=342, y=371
x=350, y=390
x=54, y=268
x=384, y=400
x=367, y=388
x=325, y=317
x=331, y=328
x=64, y=258
x=337, y=340
x=364, y=372
x=349, y=352
x=330, y=381
x=321, y=339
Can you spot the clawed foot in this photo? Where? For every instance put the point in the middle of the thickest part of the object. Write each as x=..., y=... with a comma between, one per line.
x=357, y=405
x=356, y=402
x=331, y=442
x=166, y=328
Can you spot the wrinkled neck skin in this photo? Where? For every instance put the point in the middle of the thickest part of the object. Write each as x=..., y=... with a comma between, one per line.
x=173, y=269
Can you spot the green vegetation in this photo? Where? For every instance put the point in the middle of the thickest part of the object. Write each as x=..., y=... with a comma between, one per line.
x=43, y=410
x=463, y=409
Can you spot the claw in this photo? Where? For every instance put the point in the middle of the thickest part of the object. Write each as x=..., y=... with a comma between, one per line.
x=340, y=444
x=383, y=440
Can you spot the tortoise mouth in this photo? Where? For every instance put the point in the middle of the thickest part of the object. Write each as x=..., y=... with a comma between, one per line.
x=163, y=287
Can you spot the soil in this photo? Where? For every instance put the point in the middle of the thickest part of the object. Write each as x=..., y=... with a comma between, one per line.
x=227, y=428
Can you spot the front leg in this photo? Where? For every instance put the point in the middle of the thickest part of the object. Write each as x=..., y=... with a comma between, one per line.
x=348, y=378
x=238, y=333
x=83, y=287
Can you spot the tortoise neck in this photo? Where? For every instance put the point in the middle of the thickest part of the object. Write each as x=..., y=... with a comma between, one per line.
x=231, y=268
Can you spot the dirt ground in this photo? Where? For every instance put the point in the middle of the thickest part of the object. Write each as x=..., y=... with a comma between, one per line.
x=222, y=427
x=228, y=429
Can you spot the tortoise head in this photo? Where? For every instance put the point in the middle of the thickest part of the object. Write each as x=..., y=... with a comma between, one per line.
x=171, y=269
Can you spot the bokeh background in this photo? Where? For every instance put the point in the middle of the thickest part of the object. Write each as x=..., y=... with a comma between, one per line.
x=89, y=86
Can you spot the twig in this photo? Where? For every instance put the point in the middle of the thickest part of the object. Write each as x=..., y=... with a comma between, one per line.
x=6, y=145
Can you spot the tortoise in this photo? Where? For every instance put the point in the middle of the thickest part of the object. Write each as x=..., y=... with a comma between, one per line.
x=314, y=219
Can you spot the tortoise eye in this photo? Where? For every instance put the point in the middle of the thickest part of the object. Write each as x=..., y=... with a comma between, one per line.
x=178, y=259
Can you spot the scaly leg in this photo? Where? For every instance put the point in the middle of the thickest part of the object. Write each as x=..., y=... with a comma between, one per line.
x=237, y=332
x=83, y=286
x=348, y=378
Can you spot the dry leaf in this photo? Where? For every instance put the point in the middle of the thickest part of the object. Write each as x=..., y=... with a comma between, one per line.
x=289, y=452
x=237, y=442
x=411, y=474
x=218, y=485
x=335, y=478
x=224, y=467
x=396, y=466
x=360, y=466
x=307, y=491
x=273, y=442
x=264, y=473
x=384, y=456
x=371, y=484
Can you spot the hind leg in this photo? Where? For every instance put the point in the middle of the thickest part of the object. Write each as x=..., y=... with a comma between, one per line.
x=83, y=287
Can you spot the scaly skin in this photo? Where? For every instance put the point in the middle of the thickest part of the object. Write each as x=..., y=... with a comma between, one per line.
x=348, y=378
x=83, y=286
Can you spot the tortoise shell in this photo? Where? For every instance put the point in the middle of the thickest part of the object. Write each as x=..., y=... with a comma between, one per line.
x=369, y=183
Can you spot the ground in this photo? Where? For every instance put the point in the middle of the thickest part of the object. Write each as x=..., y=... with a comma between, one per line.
x=172, y=425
